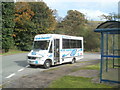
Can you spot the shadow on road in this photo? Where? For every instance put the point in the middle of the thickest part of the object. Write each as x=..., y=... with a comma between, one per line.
x=35, y=67
x=21, y=63
x=42, y=67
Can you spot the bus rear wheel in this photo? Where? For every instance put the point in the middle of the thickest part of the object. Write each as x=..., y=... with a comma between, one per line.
x=47, y=64
x=73, y=61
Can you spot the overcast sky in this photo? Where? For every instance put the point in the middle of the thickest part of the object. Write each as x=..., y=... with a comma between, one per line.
x=91, y=8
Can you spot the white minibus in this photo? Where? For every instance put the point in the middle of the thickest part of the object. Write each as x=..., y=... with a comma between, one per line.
x=52, y=49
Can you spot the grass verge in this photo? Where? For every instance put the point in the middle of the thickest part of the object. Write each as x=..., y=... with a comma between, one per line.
x=89, y=67
x=93, y=67
x=13, y=52
x=86, y=61
x=76, y=82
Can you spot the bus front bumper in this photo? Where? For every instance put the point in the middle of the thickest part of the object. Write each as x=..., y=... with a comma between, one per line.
x=35, y=62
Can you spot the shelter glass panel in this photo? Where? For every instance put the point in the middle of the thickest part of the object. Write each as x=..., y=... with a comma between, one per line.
x=111, y=57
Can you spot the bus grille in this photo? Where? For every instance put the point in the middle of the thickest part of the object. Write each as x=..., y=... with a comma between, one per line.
x=31, y=57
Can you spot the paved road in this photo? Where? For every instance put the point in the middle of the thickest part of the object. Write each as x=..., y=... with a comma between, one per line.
x=91, y=56
x=15, y=66
x=11, y=64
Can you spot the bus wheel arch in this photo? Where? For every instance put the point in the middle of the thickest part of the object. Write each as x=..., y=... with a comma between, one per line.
x=47, y=63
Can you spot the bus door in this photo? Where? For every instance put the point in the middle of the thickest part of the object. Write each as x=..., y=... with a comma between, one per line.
x=56, y=50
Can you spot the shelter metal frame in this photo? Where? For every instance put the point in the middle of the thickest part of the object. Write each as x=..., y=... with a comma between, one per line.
x=113, y=28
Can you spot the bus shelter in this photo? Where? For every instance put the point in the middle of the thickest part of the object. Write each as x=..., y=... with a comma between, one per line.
x=110, y=51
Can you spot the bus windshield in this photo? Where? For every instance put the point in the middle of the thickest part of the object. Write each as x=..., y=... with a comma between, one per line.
x=42, y=45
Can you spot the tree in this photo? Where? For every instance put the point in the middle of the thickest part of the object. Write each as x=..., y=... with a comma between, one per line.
x=91, y=38
x=1, y=25
x=76, y=24
x=23, y=26
x=73, y=23
x=111, y=17
x=31, y=18
x=7, y=25
x=44, y=20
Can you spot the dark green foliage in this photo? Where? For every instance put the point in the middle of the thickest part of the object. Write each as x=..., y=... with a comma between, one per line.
x=21, y=21
x=91, y=38
x=91, y=41
x=7, y=25
x=23, y=31
x=44, y=21
x=75, y=24
x=31, y=18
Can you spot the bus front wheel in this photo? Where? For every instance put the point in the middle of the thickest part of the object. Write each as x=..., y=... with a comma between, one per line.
x=47, y=64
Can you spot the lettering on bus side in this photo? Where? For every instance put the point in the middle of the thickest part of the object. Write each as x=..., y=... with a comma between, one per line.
x=42, y=38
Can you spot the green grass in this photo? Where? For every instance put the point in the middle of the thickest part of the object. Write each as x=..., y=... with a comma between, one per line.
x=86, y=61
x=76, y=82
x=13, y=52
x=90, y=67
x=110, y=63
x=93, y=67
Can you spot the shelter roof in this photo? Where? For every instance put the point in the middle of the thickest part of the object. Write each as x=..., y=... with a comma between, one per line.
x=108, y=26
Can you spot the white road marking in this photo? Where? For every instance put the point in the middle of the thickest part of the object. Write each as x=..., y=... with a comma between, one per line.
x=27, y=66
x=10, y=75
x=20, y=69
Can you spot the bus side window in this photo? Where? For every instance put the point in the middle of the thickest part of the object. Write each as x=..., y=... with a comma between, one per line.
x=50, y=51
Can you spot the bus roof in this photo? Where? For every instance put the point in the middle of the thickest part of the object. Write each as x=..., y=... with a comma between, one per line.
x=49, y=36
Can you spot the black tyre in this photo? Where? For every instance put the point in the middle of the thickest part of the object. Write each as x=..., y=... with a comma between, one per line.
x=73, y=61
x=47, y=64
